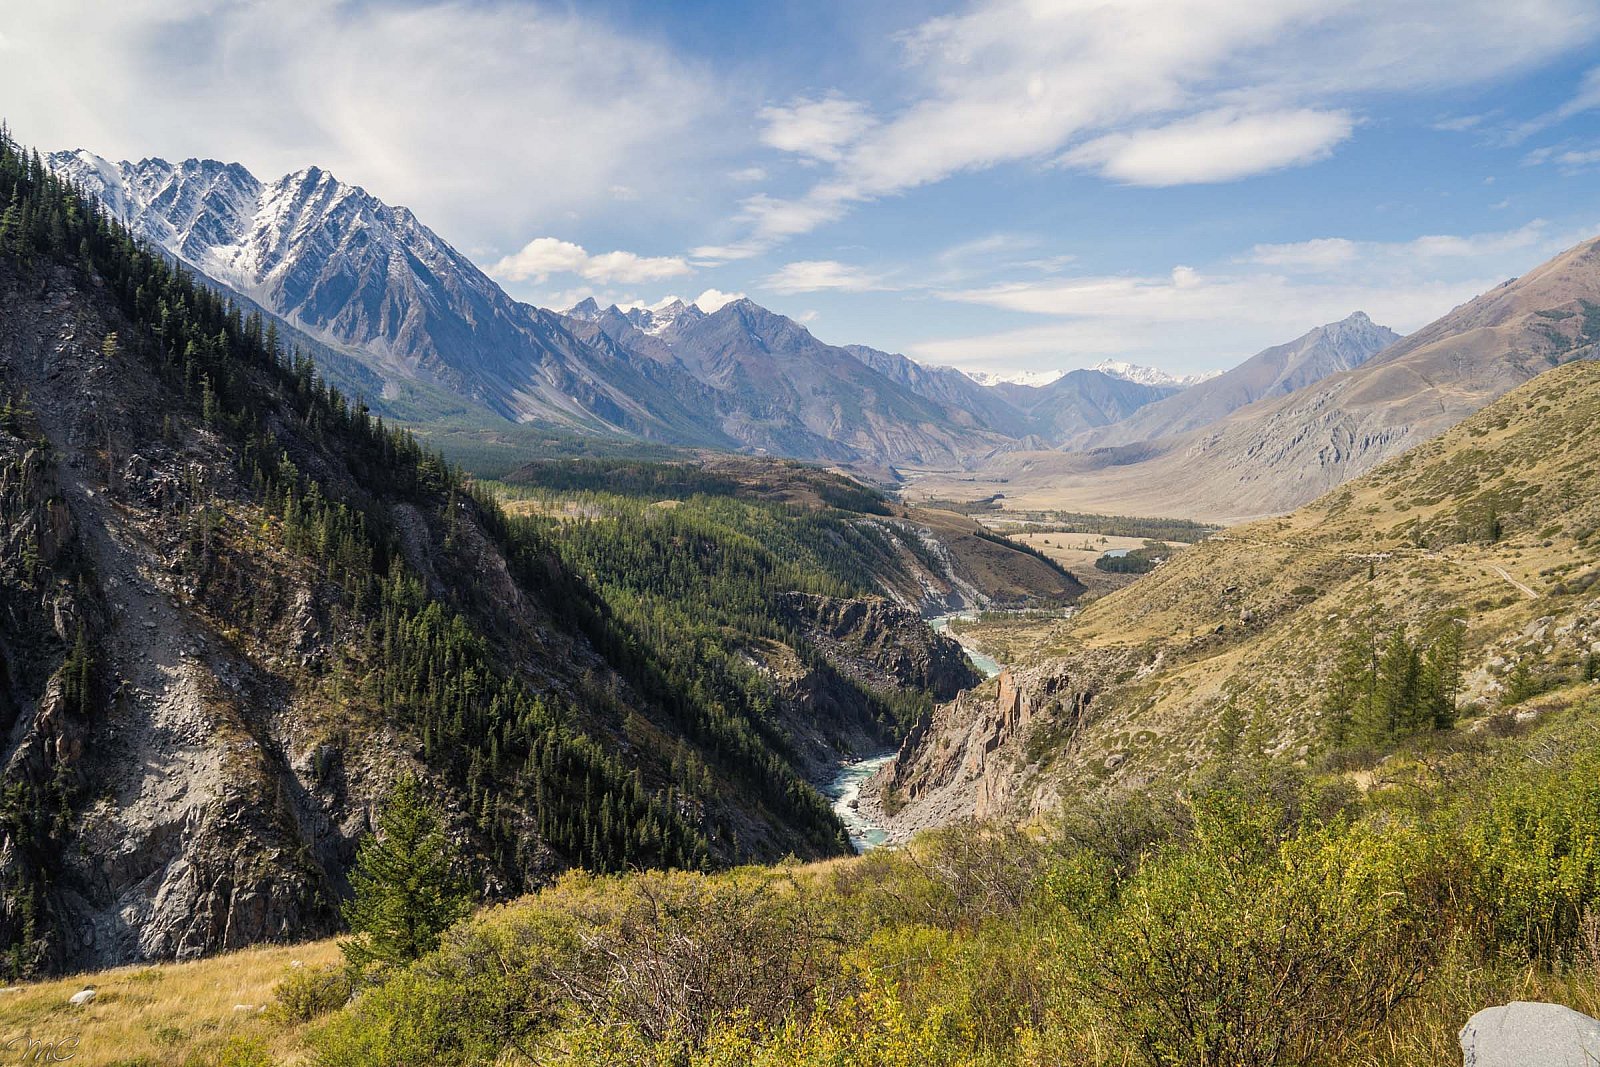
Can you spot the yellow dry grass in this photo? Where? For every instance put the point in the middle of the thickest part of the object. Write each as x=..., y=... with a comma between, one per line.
x=173, y=1013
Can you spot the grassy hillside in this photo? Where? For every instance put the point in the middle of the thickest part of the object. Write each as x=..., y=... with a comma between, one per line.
x=1496, y=524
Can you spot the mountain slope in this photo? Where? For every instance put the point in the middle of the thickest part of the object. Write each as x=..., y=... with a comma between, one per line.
x=364, y=276
x=948, y=386
x=773, y=387
x=238, y=607
x=1276, y=371
x=1080, y=401
x=1495, y=522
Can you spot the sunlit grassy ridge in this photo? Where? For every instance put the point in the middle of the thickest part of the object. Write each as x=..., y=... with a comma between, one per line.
x=1494, y=522
x=198, y=1012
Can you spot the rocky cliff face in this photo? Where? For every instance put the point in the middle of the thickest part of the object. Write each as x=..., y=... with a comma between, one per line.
x=882, y=644
x=978, y=755
x=157, y=796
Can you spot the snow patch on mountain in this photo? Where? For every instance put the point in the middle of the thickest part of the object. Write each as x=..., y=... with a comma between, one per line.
x=1135, y=372
x=1034, y=378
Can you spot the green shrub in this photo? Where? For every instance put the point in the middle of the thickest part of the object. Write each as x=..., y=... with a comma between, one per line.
x=1235, y=950
x=236, y=1052
x=420, y=1015
x=1535, y=858
x=308, y=992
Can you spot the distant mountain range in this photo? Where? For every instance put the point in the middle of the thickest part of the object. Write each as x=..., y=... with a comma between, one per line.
x=1289, y=447
x=395, y=312
x=1277, y=371
x=1134, y=372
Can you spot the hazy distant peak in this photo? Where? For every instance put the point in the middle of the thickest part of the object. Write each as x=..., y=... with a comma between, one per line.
x=1035, y=378
x=1135, y=372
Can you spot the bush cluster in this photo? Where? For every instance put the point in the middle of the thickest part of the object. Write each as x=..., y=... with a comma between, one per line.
x=1261, y=916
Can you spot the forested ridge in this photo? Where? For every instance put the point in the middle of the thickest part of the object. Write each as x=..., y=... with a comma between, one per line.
x=655, y=749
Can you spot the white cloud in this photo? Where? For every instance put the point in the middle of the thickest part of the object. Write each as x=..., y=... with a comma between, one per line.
x=1587, y=98
x=775, y=218
x=749, y=174
x=819, y=129
x=1570, y=160
x=1163, y=91
x=1321, y=252
x=717, y=255
x=712, y=299
x=1217, y=146
x=544, y=256
x=485, y=118
x=816, y=275
x=1399, y=259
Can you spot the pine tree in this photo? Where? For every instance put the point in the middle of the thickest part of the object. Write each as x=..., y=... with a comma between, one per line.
x=1399, y=684
x=1441, y=675
x=1520, y=684
x=406, y=893
x=1231, y=727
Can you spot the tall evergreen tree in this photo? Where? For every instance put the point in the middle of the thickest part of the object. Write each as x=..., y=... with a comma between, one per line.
x=406, y=890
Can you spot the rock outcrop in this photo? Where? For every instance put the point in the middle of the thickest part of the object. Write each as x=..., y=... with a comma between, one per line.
x=882, y=644
x=1530, y=1034
x=977, y=756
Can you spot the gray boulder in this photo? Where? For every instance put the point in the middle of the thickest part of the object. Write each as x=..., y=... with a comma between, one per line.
x=1526, y=1034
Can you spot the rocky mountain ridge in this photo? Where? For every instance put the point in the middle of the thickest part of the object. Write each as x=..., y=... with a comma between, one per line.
x=1277, y=371
x=421, y=323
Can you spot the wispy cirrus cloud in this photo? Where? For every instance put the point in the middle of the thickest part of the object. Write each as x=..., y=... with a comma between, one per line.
x=1215, y=146
x=818, y=275
x=1190, y=318
x=1155, y=92
x=819, y=129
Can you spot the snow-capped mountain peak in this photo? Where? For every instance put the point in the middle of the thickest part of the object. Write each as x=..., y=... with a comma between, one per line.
x=187, y=208
x=1134, y=372
x=1035, y=378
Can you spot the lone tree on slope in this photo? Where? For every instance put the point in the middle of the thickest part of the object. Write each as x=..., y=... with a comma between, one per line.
x=406, y=893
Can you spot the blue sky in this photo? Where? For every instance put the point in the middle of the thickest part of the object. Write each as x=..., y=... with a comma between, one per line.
x=994, y=184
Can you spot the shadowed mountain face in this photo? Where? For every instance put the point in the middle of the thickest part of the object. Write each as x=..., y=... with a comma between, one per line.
x=773, y=387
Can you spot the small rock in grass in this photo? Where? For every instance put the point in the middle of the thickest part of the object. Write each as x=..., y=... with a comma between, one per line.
x=1529, y=1034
